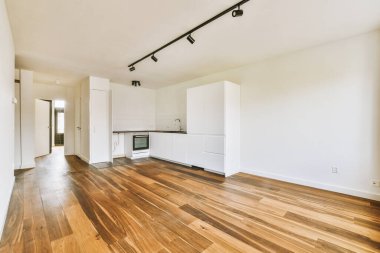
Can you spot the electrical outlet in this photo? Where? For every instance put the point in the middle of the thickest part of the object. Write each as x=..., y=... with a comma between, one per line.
x=376, y=183
x=334, y=170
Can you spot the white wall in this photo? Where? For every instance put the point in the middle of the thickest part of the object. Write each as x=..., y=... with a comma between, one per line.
x=171, y=105
x=7, y=110
x=304, y=112
x=133, y=107
x=26, y=101
x=29, y=92
x=59, y=92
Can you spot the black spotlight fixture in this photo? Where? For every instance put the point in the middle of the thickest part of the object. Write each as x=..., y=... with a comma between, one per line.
x=237, y=13
x=154, y=58
x=190, y=39
x=136, y=83
x=132, y=68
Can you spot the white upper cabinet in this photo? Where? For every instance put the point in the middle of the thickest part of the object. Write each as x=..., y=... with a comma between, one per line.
x=205, y=109
x=195, y=111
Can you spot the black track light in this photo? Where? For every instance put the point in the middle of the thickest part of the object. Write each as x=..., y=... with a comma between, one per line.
x=237, y=13
x=234, y=9
x=136, y=83
x=190, y=39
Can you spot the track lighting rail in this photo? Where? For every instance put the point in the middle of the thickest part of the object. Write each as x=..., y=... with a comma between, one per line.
x=237, y=5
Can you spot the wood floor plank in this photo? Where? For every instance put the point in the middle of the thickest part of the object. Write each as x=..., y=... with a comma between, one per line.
x=148, y=205
x=222, y=241
x=85, y=234
x=56, y=220
x=350, y=235
x=67, y=244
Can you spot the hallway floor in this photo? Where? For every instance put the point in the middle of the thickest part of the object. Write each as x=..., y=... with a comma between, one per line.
x=65, y=205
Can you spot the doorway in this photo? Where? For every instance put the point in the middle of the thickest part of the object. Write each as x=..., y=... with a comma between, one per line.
x=59, y=123
x=49, y=126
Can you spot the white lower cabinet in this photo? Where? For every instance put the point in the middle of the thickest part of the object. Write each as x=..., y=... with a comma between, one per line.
x=180, y=145
x=213, y=162
x=161, y=145
x=196, y=150
x=169, y=146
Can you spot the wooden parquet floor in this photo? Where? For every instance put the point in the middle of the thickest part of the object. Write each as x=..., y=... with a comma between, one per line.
x=65, y=205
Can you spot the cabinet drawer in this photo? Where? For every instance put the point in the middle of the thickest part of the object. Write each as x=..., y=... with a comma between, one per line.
x=195, y=150
x=214, y=144
x=213, y=162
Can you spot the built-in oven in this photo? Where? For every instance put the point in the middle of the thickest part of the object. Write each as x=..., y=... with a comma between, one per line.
x=140, y=142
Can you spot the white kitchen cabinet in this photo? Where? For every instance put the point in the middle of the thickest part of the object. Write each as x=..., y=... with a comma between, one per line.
x=214, y=144
x=213, y=122
x=95, y=125
x=205, y=109
x=180, y=144
x=213, y=126
x=169, y=146
x=195, y=150
x=161, y=145
x=118, y=149
x=214, y=162
x=206, y=151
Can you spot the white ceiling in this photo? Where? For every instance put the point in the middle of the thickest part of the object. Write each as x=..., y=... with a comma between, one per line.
x=68, y=40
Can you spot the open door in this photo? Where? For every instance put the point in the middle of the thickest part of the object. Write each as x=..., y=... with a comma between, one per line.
x=42, y=126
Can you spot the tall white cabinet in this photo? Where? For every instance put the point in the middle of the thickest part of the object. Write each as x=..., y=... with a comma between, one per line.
x=94, y=121
x=213, y=127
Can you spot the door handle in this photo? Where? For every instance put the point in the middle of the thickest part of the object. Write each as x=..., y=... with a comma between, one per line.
x=79, y=128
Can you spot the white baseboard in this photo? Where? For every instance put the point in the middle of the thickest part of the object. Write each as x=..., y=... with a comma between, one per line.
x=3, y=219
x=328, y=187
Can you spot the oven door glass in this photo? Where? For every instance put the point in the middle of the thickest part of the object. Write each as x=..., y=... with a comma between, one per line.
x=140, y=142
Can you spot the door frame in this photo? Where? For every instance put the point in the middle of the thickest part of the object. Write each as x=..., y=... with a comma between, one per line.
x=56, y=111
x=50, y=123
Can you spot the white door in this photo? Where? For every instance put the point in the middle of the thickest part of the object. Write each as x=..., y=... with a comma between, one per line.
x=100, y=126
x=42, y=128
